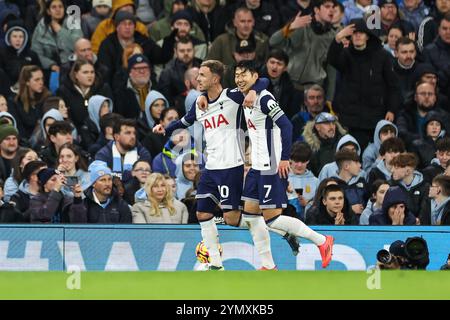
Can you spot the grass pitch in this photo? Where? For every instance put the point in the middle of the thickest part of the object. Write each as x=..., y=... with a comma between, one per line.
x=231, y=285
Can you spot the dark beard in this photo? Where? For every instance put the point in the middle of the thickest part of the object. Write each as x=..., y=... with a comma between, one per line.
x=424, y=109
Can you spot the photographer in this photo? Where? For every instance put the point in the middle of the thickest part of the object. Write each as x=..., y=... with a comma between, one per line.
x=447, y=265
x=412, y=254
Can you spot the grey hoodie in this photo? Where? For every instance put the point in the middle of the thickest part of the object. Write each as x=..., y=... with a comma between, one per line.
x=372, y=151
x=25, y=41
x=437, y=211
x=418, y=178
x=10, y=116
x=380, y=165
x=52, y=113
x=152, y=96
x=94, y=105
x=183, y=184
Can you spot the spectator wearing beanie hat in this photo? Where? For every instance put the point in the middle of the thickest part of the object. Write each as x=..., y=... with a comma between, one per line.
x=162, y=28
x=130, y=97
x=50, y=205
x=107, y=26
x=8, y=148
x=111, y=49
x=101, y=10
x=102, y=204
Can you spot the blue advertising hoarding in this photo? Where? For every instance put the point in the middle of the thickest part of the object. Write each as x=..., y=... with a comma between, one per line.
x=172, y=247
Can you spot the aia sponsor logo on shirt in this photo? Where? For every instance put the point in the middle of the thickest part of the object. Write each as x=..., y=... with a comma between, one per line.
x=215, y=122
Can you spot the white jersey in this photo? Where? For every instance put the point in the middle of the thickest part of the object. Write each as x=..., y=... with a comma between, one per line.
x=265, y=135
x=221, y=125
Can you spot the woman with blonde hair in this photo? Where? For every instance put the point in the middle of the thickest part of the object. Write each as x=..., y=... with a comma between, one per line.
x=155, y=203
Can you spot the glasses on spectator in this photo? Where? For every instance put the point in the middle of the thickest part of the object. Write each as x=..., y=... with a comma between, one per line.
x=426, y=94
x=142, y=170
x=140, y=69
x=315, y=97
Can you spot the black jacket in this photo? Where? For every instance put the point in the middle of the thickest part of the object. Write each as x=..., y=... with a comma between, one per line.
x=406, y=79
x=12, y=62
x=9, y=214
x=416, y=196
x=319, y=216
x=131, y=187
x=407, y=122
x=212, y=23
x=432, y=171
x=154, y=143
x=369, y=87
x=26, y=122
x=289, y=98
x=77, y=104
x=438, y=54
x=88, y=211
x=171, y=80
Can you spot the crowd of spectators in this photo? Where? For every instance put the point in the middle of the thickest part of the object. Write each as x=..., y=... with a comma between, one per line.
x=79, y=96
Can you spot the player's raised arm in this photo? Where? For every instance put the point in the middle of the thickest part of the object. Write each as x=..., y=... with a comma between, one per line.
x=249, y=100
x=271, y=107
x=185, y=122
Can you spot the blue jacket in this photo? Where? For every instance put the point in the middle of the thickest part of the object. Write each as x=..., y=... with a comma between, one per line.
x=372, y=151
x=164, y=162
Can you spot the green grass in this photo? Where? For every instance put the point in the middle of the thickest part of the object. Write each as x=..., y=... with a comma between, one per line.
x=189, y=285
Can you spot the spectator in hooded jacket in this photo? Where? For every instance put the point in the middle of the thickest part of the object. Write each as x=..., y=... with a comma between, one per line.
x=413, y=11
x=106, y=135
x=158, y=205
x=439, y=164
x=369, y=87
x=53, y=38
x=394, y=210
x=155, y=103
x=102, y=203
x=8, y=148
x=378, y=191
x=101, y=10
x=59, y=133
x=389, y=149
x=98, y=106
x=26, y=106
x=410, y=180
x=383, y=131
x=187, y=167
x=40, y=140
x=425, y=148
x=17, y=52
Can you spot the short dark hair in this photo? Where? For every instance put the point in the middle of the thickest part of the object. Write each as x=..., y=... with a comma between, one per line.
x=318, y=3
x=345, y=155
x=405, y=160
x=331, y=188
x=184, y=40
x=446, y=18
x=247, y=65
x=404, y=41
x=279, y=54
x=444, y=182
x=393, y=144
x=61, y=127
x=215, y=66
x=443, y=144
x=123, y=122
x=301, y=152
x=386, y=128
x=108, y=120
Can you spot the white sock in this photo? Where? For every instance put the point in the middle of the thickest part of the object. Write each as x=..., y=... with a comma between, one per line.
x=210, y=236
x=297, y=228
x=243, y=224
x=261, y=238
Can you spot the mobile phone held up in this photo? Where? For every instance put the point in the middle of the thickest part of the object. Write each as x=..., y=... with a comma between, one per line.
x=299, y=191
x=71, y=181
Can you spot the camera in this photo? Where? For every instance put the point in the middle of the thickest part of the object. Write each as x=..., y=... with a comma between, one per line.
x=71, y=181
x=411, y=254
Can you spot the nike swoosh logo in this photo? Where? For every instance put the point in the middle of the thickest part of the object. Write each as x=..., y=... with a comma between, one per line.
x=265, y=201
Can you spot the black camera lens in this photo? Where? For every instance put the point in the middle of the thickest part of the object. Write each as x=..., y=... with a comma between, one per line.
x=383, y=256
